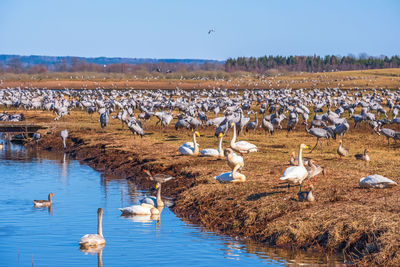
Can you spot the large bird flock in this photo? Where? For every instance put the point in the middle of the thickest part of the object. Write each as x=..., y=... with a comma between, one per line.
x=192, y=108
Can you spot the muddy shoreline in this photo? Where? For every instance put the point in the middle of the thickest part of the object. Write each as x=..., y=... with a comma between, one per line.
x=221, y=210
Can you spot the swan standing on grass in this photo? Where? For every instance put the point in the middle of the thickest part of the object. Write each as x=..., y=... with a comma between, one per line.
x=92, y=240
x=296, y=174
x=43, y=203
x=235, y=162
x=242, y=147
x=211, y=152
x=190, y=148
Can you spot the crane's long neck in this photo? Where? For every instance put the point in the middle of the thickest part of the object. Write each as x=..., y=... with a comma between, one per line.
x=99, y=224
x=220, y=151
x=159, y=201
x=301, y=157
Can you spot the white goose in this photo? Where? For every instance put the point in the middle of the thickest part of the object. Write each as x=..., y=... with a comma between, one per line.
x=211, y=152
x=190, y=148
x=235, y=162
x=91, y=240
x=242, y=147
x=296, y=174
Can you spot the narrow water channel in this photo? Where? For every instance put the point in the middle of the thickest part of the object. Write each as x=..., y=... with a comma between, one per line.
x=49, y=237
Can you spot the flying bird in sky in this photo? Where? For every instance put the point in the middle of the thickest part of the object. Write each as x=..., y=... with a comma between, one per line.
x=210, y=31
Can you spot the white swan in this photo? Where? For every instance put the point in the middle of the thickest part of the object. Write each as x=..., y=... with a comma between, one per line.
x=211, y=152
x=90, y=240
x=147, y=207
x=241, y=146
x=296, y=174
x=190, y=148
x=235, y=162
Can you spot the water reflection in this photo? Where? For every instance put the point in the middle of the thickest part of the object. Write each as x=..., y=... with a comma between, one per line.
x=26, y=231
x=93, y=251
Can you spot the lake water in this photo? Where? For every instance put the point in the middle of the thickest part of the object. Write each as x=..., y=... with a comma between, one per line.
x=43, y=237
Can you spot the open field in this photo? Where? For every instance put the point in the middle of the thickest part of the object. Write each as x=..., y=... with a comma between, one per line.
x=365, y=79
x=364, y=224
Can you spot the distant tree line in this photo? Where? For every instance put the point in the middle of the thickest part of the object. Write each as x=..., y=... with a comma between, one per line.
x=248, y=64
x=310, y=63
x=15, y=65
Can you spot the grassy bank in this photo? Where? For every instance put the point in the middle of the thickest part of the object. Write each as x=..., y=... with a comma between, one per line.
x=363, y=224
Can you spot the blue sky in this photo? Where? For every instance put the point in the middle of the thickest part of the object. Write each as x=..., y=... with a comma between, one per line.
x=178, y=29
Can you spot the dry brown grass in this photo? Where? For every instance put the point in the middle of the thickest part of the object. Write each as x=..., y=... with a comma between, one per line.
x=362, y=223
x=378, y=78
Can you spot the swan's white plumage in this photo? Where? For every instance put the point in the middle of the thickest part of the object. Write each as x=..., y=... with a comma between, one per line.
x=92, y=240
x=186, y=150
x=190, y=148
x=211, y=152
x=242, y=147
x=149, y=200
x=142, y=209
x=296, y=174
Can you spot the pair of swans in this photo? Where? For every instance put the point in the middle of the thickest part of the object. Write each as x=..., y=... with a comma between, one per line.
x=192, y=148
x=235, y=162
x=149, y=205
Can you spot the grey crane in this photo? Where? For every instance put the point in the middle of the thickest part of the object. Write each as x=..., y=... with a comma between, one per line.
x=318, y=133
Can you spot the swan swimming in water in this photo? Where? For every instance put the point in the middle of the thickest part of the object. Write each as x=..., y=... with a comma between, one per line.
x=242, y=147
x=91, y=240
x=296, y=174
x=211, y=152
x=190, y=148
x=147, y=206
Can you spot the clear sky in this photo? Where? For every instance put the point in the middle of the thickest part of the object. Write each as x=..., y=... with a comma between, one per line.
x=179, y=29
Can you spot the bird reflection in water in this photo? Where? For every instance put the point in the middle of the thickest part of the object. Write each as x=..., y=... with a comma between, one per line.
x=94, y=250
x=146, y=218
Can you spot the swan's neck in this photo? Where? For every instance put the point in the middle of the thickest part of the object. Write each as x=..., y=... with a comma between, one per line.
x=301, y=157
x=99, y=225
x=159, y=201
x=196, y=148
x=234, y=134
x=220, y=151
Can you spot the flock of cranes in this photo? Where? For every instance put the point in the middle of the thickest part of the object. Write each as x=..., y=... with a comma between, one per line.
x=225, y=110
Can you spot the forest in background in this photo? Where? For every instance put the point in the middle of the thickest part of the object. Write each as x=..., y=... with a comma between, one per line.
x=136, y=66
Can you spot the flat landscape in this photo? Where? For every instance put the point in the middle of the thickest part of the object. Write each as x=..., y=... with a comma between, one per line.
x=362, y=79
x=363, y=224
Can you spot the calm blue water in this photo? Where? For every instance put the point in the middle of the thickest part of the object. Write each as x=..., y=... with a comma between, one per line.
x=49, y=237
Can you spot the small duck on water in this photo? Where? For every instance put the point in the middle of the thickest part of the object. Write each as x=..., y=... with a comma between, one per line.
x=43, y=203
